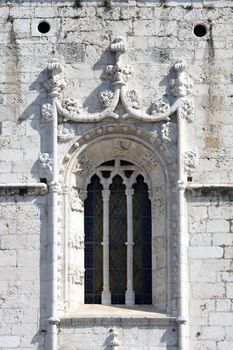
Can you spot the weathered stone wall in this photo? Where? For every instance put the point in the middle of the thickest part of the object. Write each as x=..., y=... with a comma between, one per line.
x=210, y=268
x=158, y=33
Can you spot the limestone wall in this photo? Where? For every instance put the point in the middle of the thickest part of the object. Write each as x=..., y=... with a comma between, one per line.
x=157, y=33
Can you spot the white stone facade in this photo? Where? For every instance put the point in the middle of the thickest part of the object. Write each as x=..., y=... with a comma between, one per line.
x=116, y=80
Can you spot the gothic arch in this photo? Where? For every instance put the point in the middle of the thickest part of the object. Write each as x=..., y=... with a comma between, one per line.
x=154, y=161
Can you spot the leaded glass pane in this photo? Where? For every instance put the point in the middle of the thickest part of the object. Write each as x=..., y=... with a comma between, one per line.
x=93, y=225
x=142, y=243
x=117, y=239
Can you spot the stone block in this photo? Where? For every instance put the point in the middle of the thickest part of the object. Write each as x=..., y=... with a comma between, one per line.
x=8, y=258
x=208, y=290
x=9, y=341
x=206, y=252
x=218, y=226
x=220, y=319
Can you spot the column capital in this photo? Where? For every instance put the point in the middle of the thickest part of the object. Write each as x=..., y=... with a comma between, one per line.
x=129, y=191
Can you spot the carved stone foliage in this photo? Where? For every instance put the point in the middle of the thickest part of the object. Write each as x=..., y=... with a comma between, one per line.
x=182, y=84
x=76, y=275
x=65, y=132
x=83, y=166
x=46, y=163
x=186, y=110
x=190, y=160
x=119, y=75
x=121, y=146
x=47, y=112
x=77, y=241
x=75, y=201
x=157, y=197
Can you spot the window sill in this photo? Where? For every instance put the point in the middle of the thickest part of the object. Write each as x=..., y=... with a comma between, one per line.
x=117, y=315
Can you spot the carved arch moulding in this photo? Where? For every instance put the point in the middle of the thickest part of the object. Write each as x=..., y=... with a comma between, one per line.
x=149, y=160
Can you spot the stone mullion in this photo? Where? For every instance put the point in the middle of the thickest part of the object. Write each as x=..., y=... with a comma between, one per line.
x=129, y=295
x=106, y=294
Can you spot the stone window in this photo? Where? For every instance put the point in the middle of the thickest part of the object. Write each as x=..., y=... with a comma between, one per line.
x=117, y=214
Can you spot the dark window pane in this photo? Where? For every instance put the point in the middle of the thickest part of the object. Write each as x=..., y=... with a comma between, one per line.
x=142, y=243
x=93, y=226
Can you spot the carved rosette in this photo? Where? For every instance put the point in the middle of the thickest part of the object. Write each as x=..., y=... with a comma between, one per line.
x=64, y=133
x=72, y=106
x=106, y=97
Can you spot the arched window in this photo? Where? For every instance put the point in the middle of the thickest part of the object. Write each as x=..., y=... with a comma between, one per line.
x=117, y=227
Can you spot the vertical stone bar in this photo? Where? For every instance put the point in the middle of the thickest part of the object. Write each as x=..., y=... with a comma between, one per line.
x=106, y=294
x=129, y=295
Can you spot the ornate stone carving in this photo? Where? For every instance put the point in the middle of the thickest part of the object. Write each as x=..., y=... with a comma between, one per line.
x=75, y=201
x=113, y=338
x=133, y=98
x=161, y=110
x=46, y=163
x=83, y=166
x=106, y=97
x=190, y=160
x=65, y=133
x=168, y=132
x=186, y=110
x=157, y=197
x=77, y=241
x=55, y=83
x=72, y=106
x=160, y=106
x=47, y=112
x=182, y=84
x=121, y=146
x=76, y=275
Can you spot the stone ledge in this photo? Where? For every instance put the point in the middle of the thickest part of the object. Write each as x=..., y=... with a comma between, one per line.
x=204, y=190
x=117, y=321
x=23, y=189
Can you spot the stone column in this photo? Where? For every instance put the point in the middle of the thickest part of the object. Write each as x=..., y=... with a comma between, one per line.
x=106, y=294
x=129, y=295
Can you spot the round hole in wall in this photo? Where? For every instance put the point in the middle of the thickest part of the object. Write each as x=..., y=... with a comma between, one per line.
x=200, y=30
x=43, y=27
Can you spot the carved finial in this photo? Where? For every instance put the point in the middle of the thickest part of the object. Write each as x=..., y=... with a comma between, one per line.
x=55, y=66
x=118, y=45
x=182, y=84
x=55, y=83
